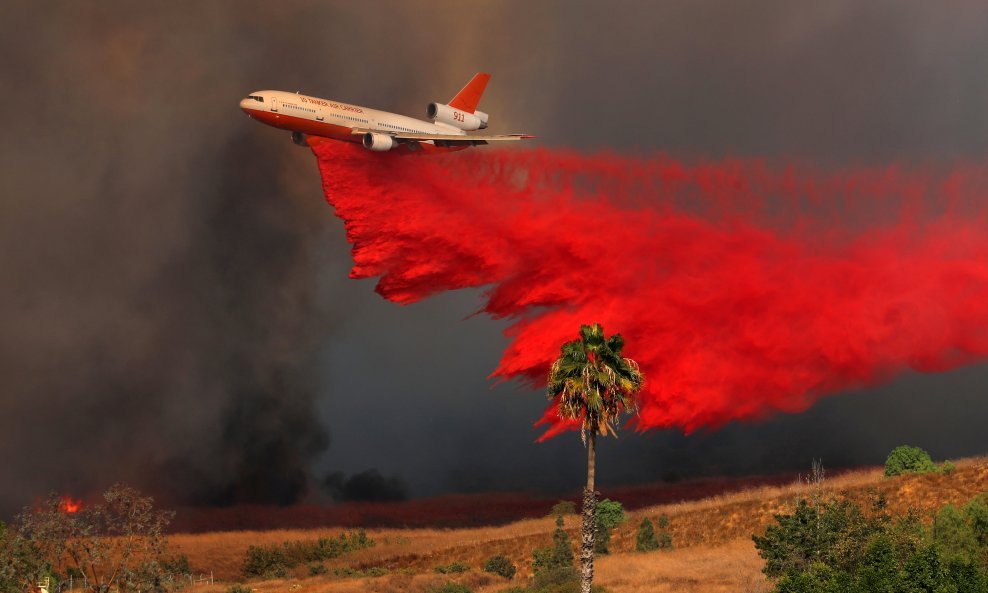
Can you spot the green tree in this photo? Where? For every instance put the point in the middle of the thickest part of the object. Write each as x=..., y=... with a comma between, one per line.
x=554, y=564
x=21, y=563
x=977, y=517
x=563, y=508
x=838, y=546
x=664, y=536
x=880, y=569
x=610, y=514
x=954, y=535
x=591, y=383
x=908, y=460
x=646, y=540
x=117, y=543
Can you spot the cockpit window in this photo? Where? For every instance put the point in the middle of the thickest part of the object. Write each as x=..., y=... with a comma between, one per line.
x=257, y=98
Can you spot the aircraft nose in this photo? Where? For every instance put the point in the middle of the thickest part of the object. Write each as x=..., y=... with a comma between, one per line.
x=245, y=105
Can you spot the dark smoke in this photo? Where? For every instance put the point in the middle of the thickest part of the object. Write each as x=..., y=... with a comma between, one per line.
x=368, y=485
x=166, y=313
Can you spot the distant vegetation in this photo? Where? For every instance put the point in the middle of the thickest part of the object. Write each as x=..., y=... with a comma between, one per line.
x=840, y=547
x=451, y=588
x=554, y=565
x=610, y=514
x=374, y=571
x=274, y=561
x=648, y=540
x=500, y=565
x=908, y=460
x=563, y=508
x=452, y=568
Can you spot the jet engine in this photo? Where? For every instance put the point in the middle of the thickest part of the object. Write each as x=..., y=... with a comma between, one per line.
x=299, y=138
x=442, y=113
x=378, y=142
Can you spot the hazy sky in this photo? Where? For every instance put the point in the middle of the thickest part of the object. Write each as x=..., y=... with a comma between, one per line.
x=176, y=310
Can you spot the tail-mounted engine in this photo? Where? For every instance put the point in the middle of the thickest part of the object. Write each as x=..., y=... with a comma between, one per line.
x=442, y=113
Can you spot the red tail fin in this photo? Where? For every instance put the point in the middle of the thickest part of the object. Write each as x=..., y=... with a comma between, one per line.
x=469, y=96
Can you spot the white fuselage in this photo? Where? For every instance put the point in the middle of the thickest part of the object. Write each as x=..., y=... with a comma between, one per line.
x=331, y=119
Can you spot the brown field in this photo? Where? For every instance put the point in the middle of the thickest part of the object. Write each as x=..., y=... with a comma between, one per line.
x=712, y=536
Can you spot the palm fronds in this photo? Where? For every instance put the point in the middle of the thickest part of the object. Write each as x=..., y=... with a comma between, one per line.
x=593, y=383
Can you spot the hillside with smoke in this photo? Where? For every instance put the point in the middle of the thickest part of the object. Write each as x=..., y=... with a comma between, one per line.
x=743, y=289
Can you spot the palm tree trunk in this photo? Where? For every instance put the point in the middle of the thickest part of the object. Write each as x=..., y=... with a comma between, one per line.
x=589, y=524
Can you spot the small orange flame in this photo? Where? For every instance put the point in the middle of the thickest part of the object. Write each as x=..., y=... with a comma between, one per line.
x=70, y=505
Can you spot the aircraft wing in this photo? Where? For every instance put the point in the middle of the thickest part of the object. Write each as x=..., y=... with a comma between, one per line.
x=445, y=139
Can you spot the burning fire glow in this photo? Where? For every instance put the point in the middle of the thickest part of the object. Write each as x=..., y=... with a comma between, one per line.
x=70, y=505
x=742, y=287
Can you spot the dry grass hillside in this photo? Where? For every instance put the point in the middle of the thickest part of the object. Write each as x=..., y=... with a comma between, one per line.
x=712, y=537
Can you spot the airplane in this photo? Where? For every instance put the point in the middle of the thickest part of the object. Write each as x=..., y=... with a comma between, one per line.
x=312, y=120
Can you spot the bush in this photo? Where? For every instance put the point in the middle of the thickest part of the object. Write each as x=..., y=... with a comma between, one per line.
x=562, y=508
x=275, y=560
x=265, y=561
x=609, y=515
x=454, y=568
x=646, y=540
x=500, y=565
x=175, y=565
x=838, y=547
x=954, y=535
x=316, y=569
x=947, y=467
x=451, y=588
x=554, y=565
x=239, y=589
x=664, y=536
x=374, y=571
x=908, y=460
x=560, y=555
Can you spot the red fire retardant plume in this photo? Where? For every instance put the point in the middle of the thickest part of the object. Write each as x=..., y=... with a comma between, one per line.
x=742, y=287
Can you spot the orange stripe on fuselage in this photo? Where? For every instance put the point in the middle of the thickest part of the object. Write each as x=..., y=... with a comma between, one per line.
x=300, y=124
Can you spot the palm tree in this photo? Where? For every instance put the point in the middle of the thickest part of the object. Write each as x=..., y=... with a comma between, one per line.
x=591, y=383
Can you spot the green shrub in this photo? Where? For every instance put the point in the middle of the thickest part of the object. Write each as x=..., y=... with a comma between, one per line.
x=451, y=588
x=947, y=467
x=977, y=518
x=838, y=547
x=454, y=568
x=646, y=540
x=554, y=565
x=908, y=460
x=264, y=561
x=664, y=536
x=374, y=571
x=316, y=569
x=276, y=559
x=500, y=565
x=238, y=588
x=609, y=515
x=954, y=535
x=175, y=565
x=562, y=508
